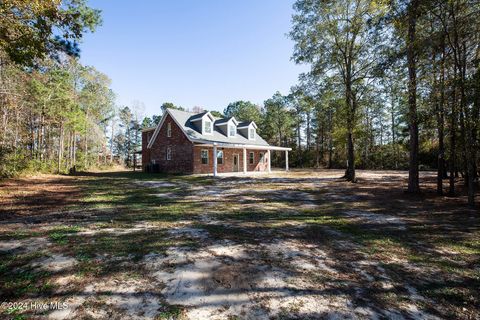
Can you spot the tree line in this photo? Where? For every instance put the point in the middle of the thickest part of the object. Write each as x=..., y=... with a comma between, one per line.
x=393, y=84
x=403, y=80
x=54, y=111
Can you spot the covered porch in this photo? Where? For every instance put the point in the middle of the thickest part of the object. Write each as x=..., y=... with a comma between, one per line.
x=244, y=148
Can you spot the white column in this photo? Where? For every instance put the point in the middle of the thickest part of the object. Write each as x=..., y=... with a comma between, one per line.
x=214, y=161
x=286, y=160
x=269, y=162
x=244, y=160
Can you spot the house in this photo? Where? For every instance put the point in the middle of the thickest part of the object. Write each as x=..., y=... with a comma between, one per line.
x=185, y=142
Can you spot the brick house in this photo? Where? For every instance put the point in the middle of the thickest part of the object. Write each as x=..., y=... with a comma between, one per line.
x=185, y=142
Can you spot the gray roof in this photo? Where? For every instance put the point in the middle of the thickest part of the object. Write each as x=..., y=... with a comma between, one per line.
x=244, y=123
x=184, y=119
x=222, y=120
x=194, y=116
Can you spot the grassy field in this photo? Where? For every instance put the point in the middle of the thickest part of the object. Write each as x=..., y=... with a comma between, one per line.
x=296, y=245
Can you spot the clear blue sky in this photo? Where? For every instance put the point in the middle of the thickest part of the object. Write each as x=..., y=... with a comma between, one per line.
x=193, y=53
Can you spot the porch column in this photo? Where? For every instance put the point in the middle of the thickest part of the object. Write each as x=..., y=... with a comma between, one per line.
x=269, y=162
x=214, y=161
x=286, y=160
x=244, y=160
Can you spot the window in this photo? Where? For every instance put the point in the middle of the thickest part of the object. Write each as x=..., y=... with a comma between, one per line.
x=169, y=129
x=220, y=156
x=207, y=127
x=204, y=156
x=169, y=153
x=262, y=157
x=251, y=158
x=251, y=134
x=232, y=131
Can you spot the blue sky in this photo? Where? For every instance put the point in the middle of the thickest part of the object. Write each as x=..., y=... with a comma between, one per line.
x=193, y=53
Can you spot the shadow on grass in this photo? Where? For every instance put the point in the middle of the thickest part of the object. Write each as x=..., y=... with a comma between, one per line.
x=117, y=200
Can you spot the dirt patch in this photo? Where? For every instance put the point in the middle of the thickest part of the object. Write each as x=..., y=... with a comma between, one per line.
x=27, y=199
x=376, y=218
x=55, y=263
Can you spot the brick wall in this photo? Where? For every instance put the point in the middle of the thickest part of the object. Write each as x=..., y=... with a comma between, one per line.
x=227, y=165
x=181, y=150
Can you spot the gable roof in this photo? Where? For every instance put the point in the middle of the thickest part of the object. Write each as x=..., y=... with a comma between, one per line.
x=199, y=116
x=184, y=120
x=247, y=124
x=222, y=121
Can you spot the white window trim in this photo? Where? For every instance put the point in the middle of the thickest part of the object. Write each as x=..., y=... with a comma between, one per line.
x=251, y=158
x=201, y=156
x=222, y=157
x=254, y=132
x=229, y=133
x=203, y=127
x=169, y=129
x=169, y=153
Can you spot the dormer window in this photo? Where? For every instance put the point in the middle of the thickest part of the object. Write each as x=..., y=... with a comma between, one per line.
x=251, y=133
x=207, y=127
x=248, y=130
x=232, y=131
x=203, y=122
x=227, y=126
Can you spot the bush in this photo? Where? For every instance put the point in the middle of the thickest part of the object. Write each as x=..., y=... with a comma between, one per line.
x=11, y=162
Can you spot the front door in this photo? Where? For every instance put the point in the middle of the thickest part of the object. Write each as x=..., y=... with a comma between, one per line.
x=235, y=163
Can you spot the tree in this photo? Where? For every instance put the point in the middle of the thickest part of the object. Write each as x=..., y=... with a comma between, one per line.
x=126, y=119
x=335, y=38
x=169, y=105
x=31, y=30
x=277, y=120
x=244, y=111
x=412, y=13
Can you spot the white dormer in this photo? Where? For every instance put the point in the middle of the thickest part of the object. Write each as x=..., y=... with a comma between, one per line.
x=228, y=126
x=248, y=130
x=203, y=122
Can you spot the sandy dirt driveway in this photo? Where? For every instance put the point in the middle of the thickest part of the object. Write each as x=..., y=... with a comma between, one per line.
x=288, y=245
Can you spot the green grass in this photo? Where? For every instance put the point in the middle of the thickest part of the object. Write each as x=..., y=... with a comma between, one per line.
x=18, y=278
x=59, y=235
x=18, y=235
x=171, y=312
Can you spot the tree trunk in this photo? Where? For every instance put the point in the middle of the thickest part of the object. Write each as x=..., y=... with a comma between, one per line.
x=452, y=157
x=299, y=144
x=74, y=149
x=468, y=134
x=85, y=160
x=111, y=141
x=60, y=149
x=330, y=140
x=439, y=103
x=441, y=146
x=351, y=106
x=308, y=130
x=413, y=181
x=395, y=154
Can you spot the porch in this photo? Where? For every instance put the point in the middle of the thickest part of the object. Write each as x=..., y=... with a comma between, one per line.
x=242, y=160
